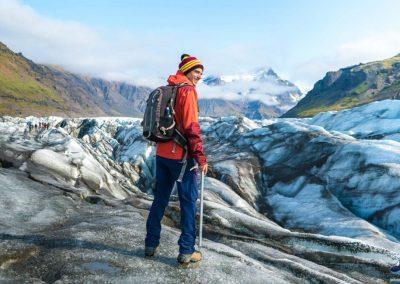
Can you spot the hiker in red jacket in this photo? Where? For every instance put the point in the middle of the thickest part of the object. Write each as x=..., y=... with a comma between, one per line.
x=169, y=164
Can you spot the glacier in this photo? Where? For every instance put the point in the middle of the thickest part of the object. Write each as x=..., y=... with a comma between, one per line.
x=286, y=200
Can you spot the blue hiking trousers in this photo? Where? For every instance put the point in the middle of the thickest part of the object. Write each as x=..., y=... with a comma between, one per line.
x=167, y=172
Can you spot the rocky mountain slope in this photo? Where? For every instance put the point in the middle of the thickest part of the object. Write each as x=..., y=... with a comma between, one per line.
x=285, y=201
x=262, y=94
x=350, y=87
x=27, y=88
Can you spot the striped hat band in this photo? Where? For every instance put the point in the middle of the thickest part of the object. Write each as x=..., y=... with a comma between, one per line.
x=189, y=63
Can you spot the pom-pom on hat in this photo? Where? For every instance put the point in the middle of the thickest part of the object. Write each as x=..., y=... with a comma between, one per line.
x=189, y=63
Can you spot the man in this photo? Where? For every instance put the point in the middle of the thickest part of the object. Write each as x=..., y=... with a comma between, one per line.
x=169, y=164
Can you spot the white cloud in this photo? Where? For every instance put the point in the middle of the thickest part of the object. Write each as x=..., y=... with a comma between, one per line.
x=266, y=92
x=115, y=54
x=372, y=47
x=119, y=55
x=78, y=48
x=209, y=92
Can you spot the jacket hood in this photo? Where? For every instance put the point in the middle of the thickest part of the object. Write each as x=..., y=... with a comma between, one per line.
x=178, y=78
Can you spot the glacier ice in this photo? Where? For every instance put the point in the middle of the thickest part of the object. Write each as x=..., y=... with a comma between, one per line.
x=286, y=200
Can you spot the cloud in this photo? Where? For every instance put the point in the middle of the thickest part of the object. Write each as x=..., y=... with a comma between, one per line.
x=150, y=58
x=267, y=92
x=115, y=55
x=110, y=54
x=119, y=55
x=372, y=47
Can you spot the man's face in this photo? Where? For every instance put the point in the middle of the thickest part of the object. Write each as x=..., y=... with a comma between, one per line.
x=195, y=75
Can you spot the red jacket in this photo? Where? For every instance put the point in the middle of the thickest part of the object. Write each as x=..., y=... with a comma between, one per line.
x=187, y=119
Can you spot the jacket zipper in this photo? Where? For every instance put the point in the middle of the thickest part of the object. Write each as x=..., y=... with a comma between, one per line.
x=173, y=147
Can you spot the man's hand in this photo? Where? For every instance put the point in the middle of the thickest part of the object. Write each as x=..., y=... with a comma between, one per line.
x=204, y=169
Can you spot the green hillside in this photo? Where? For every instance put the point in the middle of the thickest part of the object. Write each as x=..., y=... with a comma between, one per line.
x=21, y=89
x=350, y=87
x=27, y=88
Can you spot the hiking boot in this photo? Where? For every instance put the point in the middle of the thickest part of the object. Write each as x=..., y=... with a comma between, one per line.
x=188, y=258
x=151, y=251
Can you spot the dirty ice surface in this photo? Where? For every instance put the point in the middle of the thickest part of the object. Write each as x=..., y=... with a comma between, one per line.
x=285, y=201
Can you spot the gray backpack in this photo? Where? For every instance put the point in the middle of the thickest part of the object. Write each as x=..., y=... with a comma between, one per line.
x=158, y=120
x=159, y=123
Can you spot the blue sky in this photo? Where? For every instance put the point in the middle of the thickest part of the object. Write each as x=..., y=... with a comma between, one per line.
x=141, y=41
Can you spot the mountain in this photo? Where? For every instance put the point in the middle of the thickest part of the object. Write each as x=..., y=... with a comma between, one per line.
x=352, y=86
x=27, y=88
x=257, y=95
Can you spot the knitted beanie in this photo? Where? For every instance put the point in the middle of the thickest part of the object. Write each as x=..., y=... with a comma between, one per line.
x=189, y=63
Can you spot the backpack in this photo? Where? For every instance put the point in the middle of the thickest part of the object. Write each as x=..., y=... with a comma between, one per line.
x=158, y=120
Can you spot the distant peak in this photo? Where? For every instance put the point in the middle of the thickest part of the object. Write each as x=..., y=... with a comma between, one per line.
x=271, y=72
x=263, y=74
x=213, y=80
x=265, y=71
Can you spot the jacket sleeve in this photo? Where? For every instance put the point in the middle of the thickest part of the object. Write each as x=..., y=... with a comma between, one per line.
x=191, y=127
